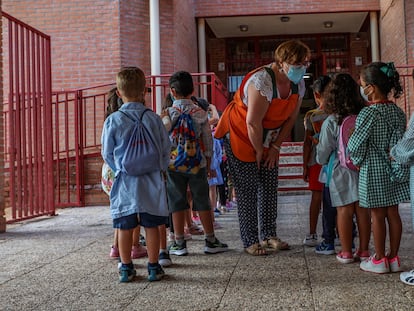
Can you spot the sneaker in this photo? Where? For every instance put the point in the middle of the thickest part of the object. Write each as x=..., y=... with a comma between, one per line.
x=142, y=240
x=325, y=248
x=310, y=240
x=407, y=277
x=345, y=257
x=155, y=273
x=196, y=220
x=195, y=230
x=216, y=225
x=114, y=253
x=374, y=265
x=126, y=274
x=361, y=255
x=164, y=259
x=395, y=264
x=223, y=209
x=217, y=212
x=215, y=247
x=178, y=250
x=138, y=252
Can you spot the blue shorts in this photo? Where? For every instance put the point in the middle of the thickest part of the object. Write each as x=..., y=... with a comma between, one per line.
x=126, y=222
x=177, y=183
x=146, y=220
x=150, y=221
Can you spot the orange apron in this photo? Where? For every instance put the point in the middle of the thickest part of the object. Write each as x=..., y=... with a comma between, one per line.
x=233, y=120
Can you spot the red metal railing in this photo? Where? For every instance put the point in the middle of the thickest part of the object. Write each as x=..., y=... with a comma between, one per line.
x=28, y=126
x=78, y=116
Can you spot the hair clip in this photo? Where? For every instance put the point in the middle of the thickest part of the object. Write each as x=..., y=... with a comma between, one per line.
x=388, y=69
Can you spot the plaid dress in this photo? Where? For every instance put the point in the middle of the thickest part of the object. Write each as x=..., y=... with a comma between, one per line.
x=403, y=152
x=369, y=146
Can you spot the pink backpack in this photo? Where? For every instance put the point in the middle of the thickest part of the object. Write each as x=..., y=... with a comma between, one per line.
x=345, y=131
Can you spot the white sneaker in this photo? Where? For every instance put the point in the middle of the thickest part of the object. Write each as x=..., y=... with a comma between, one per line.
x=374, y=265
x=395, y=264
x=311, y=240
x=407, y=277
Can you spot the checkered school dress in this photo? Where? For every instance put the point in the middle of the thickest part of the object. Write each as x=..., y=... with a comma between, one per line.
x=369, y=147
x=403, y=152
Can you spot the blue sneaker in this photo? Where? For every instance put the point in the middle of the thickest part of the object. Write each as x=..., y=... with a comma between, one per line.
x=126, y=274
x=155, y=273
x=325, y=248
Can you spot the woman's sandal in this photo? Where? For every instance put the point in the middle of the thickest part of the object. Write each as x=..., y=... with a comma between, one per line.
x=275, y=243
x=256, y=250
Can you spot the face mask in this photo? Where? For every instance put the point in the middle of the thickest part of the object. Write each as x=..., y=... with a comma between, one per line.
x=296, y=73
x=362, y=91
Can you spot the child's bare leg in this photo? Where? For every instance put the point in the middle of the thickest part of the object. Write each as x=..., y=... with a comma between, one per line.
x=364, y=227
x=345, y=214
x=135, y=236
x=163, y=236
x=314, y=209
x=207, y=222
x=379, y=229
x=153, y=244
x=125, y=245
x=179, y=220
x=115, y=243
x=395, y=228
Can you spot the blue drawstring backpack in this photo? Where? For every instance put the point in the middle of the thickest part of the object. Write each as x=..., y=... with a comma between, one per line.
x=141, y=154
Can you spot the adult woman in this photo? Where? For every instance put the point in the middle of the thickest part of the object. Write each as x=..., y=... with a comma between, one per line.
x=254, y=125
x=369, y=146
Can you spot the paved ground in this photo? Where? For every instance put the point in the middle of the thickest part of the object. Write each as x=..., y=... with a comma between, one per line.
x=62, y=263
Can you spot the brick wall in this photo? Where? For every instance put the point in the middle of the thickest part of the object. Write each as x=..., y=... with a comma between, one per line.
x=84, y=37
x=396, y=39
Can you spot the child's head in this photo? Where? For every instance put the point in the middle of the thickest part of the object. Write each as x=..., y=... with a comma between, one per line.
x=181, y=84
x=130, y=82
x=342, y=97
x=318, y=87
x=114, y=102
x=382, y=78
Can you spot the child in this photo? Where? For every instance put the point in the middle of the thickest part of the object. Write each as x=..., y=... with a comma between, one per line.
x=369, y=147
x=341, y=99
x=182, y=87
x=138, y=251
x=135, y=199
x=311, y=169
x=403, y=152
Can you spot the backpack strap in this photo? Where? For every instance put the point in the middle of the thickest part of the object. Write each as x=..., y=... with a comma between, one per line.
x=131, y=118
x=294, y=87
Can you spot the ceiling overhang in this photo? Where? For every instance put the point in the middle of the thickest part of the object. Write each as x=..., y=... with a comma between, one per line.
x=270, y=25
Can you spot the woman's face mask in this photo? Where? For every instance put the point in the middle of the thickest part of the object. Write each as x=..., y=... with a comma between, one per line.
x=296, y=73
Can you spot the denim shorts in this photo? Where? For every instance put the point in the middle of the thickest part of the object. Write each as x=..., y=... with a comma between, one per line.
x=177, y=183
x=126, y=222
x=150, y=221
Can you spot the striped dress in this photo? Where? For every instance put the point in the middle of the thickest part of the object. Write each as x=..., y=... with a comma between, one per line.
x=369, y=146
x=403, y=152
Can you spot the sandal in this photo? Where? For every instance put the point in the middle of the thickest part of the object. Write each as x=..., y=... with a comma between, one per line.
x=256, y=250
x=275, y=243
x=407, y=277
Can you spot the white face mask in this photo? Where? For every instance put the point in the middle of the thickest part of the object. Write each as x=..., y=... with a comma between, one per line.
x=362, y=91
